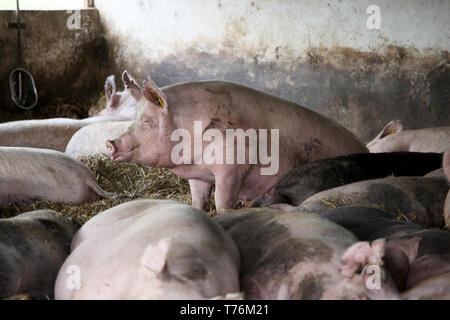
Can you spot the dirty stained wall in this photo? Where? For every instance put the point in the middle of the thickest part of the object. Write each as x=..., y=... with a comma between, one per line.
x=317, y=53
x=65, y=62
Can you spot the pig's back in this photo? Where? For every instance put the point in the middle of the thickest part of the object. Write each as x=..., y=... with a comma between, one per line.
x=429, y=139
x=304, y=134
x=30, y=174
x=47, y=134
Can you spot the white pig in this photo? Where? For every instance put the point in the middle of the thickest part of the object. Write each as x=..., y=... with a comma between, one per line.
x=52, y=133
x=91, y=139
x=393, y=138
x=150, y=249
x=29, y=174
x=117, y=103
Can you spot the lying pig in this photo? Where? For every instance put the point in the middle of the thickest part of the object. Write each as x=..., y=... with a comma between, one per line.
x=91, y=139
x=117, y=103
x=29, y=174
x=208, y=109
x=393, y=138
x=33, y=246
x=288, y=255
x=52, y=133
x=413, y=253
x=150, y=249
x=434, y=288
x=438, y=173
x=418, y=199
x=306, y=180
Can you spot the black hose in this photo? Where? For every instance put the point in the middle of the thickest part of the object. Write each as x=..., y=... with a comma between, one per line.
x=20, y=95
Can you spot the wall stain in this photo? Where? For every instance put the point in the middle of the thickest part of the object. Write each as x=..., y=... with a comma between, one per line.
x=360, y=90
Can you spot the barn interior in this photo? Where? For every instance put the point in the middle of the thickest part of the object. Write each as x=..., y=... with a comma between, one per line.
x=318, y=54
x=333, y=57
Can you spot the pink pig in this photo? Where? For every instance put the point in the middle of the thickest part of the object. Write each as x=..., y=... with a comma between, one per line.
x=291, y=134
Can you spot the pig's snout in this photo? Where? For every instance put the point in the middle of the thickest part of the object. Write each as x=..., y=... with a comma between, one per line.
x=119, y=150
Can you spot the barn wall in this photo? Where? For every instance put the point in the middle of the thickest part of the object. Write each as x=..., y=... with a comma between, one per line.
x=65, y=62
x=317, y=53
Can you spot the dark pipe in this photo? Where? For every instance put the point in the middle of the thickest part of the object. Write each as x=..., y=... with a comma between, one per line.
x=22, y=95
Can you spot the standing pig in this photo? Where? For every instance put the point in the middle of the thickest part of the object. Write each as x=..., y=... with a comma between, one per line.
x=120, y=103
x=91, y=139
x=150, y=249
x=418, y=199
x=293, y=256
x=304, y=181
x=33, y=246
x=52, y=133
x=393, y=138
x=413, y=253
x=28, y=174
x=208, y=109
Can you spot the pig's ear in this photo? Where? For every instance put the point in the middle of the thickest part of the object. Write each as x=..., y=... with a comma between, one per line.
x=361, y=254
x=110, y=87
x=446, y=164
x=392, y=127
x=131, y=85
x=155, y=255
x=155, y=95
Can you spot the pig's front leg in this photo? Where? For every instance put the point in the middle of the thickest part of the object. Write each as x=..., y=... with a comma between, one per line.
x=200, y=192
x=228, y=186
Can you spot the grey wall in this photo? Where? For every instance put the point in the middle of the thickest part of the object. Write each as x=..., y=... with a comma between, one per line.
x=317, y=53
x=64, y=62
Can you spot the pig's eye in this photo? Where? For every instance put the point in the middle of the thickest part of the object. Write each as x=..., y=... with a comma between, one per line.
x=148, y=122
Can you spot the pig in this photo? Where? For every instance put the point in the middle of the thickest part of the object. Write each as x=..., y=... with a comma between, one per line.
x=52, y=133
x=413, y=253
x=90, y=139
x=297, y=135
x=438, y=173
x=434, y=288
x=446, y=167
x=117, y=103
x=417, y=199
x=394, y=138
x=293, y=256
x=29, y=174
x=33, y=246
x=304, y=181
x=151, y=249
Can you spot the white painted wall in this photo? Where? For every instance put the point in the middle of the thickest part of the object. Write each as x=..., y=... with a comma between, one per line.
x=245, y=28
x=317, y=53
